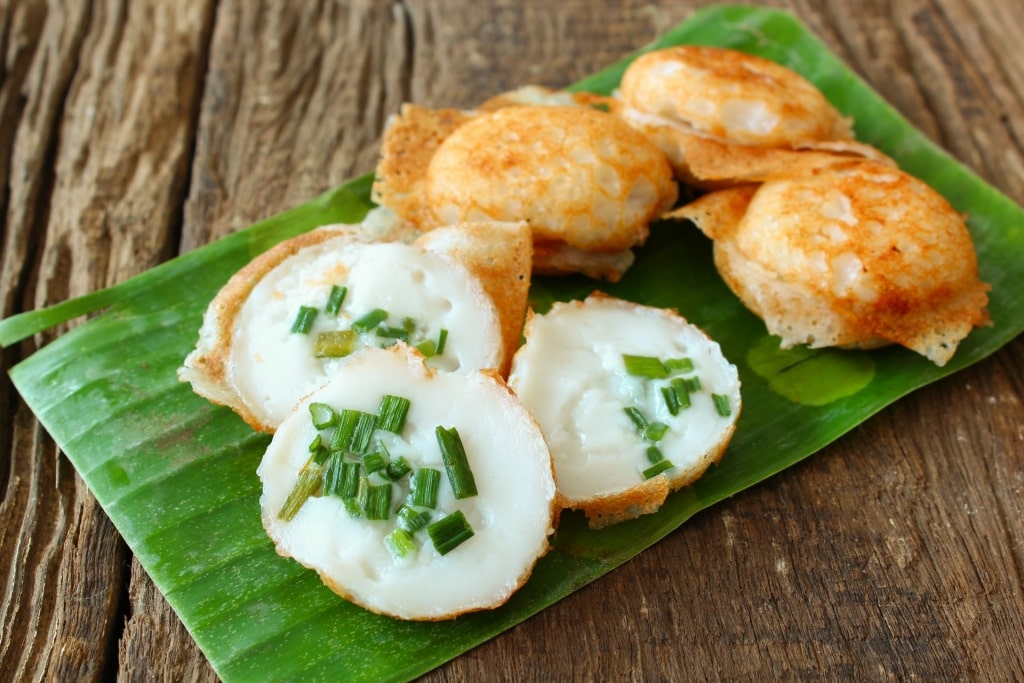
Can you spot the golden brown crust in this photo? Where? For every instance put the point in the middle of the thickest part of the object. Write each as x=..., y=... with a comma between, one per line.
x=500, y=256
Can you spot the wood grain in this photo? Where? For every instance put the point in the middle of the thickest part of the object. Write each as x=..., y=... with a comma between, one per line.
x=133, y=131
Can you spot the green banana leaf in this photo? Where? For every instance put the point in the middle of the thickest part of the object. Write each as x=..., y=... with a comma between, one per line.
x=177, y=475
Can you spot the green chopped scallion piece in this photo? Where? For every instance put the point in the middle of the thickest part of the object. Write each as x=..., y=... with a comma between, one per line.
x=369, y=321
x=323, y=415
x=449, y=532
x=692, y=384
x=351, y=475
x=374, y=462
x=332, y=474
x=352, y=507
x=307, y=485
x=393, y=332
x=456, y=462
x=400, y=543
x=672, y=400
x=409, y=324
x=411, y=519
x=682, y=388
x=427, y=347
x=423, y=487
x=319, y=451
x=340, y=438
x=334, y=344
x=638, y=419
x=303, y=322
x=654, y=455
x=335, y=299
x=442, y=339
x=378, y=501
x=365, y=426
x=655, y=431
x=673, y=365
x=392, y=413
x=657, y=468
x=644, y=366
x=397, y=468
x=722, y=404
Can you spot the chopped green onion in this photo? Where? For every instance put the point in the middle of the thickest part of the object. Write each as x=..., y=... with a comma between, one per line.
x=692, y=384
x=449, y=532
x=323, y=415
x=682, y=388
x=644, y=366
x=657, y=468
x=411, y=519
x=428, y=348
x=317, y=448
x=334, y=344
x=393, y=332
x=409, y=324
x=333, y=472
x=722, y=404
x=397, y=469
x=424, y=486
x=370, y=320
x=378, y=501
x=350, y=477
x=392, y=412
x=654, y=454
x=374, y=462
x=366, y=425
x=672, y=400
x=341, y=436
x=307, y=485
x=673, y=365
x=400, y=543
x=303, y=322
x=335, y=299
x=456, y=463
x=638, y=419
x=442, y=339
x=352, y=507
x=655, y=431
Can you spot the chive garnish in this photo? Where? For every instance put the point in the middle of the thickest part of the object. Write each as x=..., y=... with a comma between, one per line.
x=397, y=468
x=442, y=339
x=332, y=474
x=378, y=501
x=672, y=400
x=644, y=366
x=692, y=384
x=307, y=485
x=365, y=425
x=411, y=519
x=392, y=412
x=638, y=419
x=654, y=454
x=370, y=320
x=722, y=404
x=409, y=324
x=449, y=532
x=673, y=365
x=374, y=462
x=423, y=487
x=323, y=415
x=341, y=436
x=393, y=332
x=655, y=431
x=427, y=347
x=304, y=320
x=350, y=478
x=682, y=389
x=334, y=344
x=456, y=463
x=335, y=299
x=399, y=542
x=657, y=468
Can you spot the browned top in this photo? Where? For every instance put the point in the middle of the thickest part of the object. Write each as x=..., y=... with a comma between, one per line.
x=133, y=131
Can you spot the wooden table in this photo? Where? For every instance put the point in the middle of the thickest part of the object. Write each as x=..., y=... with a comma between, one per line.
x=134, y=131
